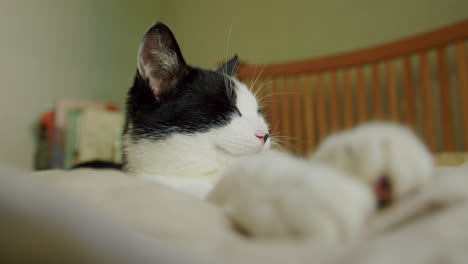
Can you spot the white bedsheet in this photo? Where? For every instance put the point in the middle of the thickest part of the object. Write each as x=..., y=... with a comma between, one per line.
x=108, y=217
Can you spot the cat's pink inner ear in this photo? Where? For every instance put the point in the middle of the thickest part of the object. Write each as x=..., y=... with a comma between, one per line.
x=160, y=61
x=148, y=67
x=143, y=63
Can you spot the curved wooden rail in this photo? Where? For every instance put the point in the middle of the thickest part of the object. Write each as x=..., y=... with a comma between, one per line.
x=421, y=81
x=434, y=39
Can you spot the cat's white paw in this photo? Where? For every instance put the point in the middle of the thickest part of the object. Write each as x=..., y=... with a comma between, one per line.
x=379, y=153
x=274, y=195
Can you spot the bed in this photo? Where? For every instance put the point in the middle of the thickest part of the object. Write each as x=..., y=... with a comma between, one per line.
x=104, y=216
x=421, y=81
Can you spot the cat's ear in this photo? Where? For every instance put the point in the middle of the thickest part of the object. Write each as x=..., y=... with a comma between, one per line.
x=160, y=60
x=230, y=67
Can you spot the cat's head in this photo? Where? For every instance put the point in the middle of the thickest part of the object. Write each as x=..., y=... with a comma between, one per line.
x=176, y=104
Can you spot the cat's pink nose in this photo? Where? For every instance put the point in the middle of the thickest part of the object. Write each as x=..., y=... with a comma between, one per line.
x=263, y=137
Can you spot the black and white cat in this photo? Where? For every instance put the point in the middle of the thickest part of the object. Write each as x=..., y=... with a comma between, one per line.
x=202, y=132
x=185, y=122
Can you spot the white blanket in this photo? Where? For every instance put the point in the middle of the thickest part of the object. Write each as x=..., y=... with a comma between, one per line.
x=91, y=216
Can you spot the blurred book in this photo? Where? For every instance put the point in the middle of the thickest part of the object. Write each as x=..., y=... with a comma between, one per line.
x=63, y=106
x=72, y=137
x=79, y=131
x=44, y=141
x=100, y=135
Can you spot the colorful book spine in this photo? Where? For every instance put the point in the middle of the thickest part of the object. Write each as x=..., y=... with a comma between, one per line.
x=72, y=137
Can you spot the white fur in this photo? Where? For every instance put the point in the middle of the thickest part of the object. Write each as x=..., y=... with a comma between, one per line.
x=193, y=163
x=329, y=198
x=277, y=196
x=371, y=151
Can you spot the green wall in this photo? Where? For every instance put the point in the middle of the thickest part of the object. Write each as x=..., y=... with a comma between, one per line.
x=120, y=26
x=265, y=31
x=63, y=48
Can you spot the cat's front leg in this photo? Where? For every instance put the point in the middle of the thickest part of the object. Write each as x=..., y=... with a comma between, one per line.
x=274, y=195
x=387, y=156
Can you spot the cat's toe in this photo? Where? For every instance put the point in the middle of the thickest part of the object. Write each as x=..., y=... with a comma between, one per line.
x=385, y=155
x=277, y=196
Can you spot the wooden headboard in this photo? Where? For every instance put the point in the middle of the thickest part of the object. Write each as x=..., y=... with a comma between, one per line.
x=421, y=81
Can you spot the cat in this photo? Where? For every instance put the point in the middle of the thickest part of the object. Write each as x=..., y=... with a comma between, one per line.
x=203, y=132
x=185, y=122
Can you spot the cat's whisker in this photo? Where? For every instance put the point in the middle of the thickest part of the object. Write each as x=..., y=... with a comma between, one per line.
x=274, y=94
x=275, y=145
x=275, y=126
x=294, y=139
x=264, y=83
x=279, y=137
x=286, y=145
x=277, y=141
x=267, y=106
x=268, y=102
x=228, y=40
x=278, y=134
x=283, y=144
x=273, y=135
x=281, y=93
x=256, y=79
x=252, y=81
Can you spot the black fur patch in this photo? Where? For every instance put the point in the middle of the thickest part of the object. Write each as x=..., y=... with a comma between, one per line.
x=202, y=100
x=192, y=101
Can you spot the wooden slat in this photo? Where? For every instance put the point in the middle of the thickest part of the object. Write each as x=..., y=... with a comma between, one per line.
x=385, y=52
x=298, y=121
x=321, y=108
x=285, y=114
x=348, y=99
x=361, y=95
x=447, y=120
x=376, y=87
x=392, y=91
x=428, y=107
x=463, y=80
x=275, y=110
x=309, y=113
x=334, y=97
x=410, y=99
